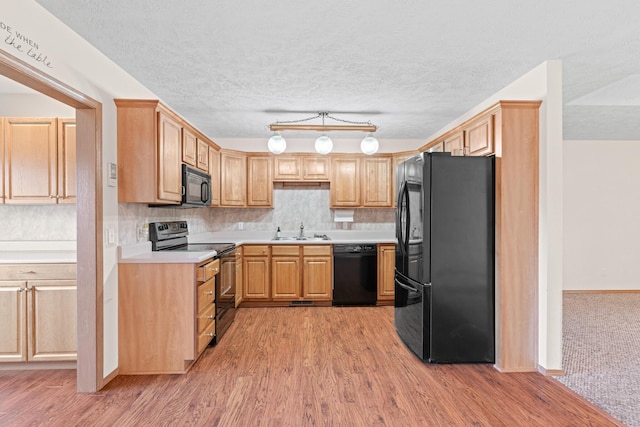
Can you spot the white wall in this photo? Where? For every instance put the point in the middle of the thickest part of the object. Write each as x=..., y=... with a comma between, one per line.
x=76, y=63
x=543, y=83
x=36, y=105
x=601, y=215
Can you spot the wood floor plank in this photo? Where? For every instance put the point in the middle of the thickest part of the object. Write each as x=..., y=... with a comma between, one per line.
x=302, y=366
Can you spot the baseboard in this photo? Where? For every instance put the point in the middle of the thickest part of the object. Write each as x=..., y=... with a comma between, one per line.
x=601, y=291
x=14, y=366
x=550, y=372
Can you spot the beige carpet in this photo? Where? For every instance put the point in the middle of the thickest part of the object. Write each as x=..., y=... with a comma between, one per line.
x=601, y=351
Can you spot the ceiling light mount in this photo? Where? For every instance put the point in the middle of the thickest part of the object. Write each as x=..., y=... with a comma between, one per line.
x=301, y=125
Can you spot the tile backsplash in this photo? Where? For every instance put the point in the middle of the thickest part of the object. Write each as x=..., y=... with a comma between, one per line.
x=291, y=206
x=38, y=222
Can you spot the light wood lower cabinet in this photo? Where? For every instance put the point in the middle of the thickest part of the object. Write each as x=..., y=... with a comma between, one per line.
x=386, y=267
x=256, y=271
x=317, y=273
x=38, y=313
x=281, y=273
x=166, y=315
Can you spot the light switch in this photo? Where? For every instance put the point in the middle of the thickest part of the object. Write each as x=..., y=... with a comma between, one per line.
x=112, y=174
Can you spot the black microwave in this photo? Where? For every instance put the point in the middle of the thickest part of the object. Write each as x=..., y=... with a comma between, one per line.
x=196, y=187
x=196, y=190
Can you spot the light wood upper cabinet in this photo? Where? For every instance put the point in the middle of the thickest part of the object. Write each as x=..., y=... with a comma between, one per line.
x=376, y=182
x=149, y=153
x=437, y=148
x=316, y=169
x=169, y=150
x=202, y=162
x=301, y=168
x=386, y=266
x=287, y=169
x=233, y=179
x=31, y=162
x=345, y=182
x=38, y=312
x=66, y=161
x=260, y=181
x=189, y=147
x=479, y=136
x=214, y=171
x=454, y=143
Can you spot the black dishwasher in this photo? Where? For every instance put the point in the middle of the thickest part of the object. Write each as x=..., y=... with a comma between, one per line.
x=355, y=274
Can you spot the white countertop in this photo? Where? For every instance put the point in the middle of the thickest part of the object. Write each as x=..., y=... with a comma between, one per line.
x=141, y=252
x=38, y=252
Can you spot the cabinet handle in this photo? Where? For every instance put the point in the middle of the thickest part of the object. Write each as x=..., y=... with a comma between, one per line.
x=209, y=293
x=210, y=334
x=28, y=272
x=211, y=317
x=22, y=290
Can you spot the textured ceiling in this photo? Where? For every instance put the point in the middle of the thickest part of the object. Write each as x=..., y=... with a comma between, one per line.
x=408, y=66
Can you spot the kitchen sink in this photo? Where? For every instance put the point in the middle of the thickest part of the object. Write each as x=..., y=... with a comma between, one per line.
x=315, y=237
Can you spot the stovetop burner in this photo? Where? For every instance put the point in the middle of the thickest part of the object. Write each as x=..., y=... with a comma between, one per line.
x=199, y=247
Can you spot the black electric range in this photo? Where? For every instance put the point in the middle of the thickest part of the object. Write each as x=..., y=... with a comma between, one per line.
x=172, y=236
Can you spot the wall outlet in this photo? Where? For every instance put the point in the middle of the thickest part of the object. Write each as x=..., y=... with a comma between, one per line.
x=241, y=226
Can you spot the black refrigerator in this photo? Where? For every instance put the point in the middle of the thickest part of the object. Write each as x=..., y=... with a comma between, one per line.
x=444, y=274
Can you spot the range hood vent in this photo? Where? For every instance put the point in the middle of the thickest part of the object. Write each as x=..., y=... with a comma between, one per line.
x=301, y=185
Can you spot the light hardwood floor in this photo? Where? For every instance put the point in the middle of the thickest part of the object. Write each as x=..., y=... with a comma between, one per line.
x=303, y=366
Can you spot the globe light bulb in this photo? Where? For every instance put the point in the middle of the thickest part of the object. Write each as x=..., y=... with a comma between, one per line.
x=277, y=144
x=324, y=145
x=369, y=145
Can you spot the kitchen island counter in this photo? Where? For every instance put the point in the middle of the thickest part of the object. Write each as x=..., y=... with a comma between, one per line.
x=46, y=252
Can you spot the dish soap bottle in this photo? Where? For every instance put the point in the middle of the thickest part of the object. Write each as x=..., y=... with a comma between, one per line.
x=278, y=233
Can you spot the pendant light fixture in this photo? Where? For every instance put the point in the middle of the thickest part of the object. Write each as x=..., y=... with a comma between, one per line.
x=323, y=145
x=277, y=143
x=369, y=144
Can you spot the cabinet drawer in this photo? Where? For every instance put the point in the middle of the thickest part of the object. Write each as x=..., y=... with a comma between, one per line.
x=316, y=250
x=207, y=271
x=206, y=318
x=206, y=294
x=256, y=250
x=37, y=271
x=206, y=336
x=290, y=250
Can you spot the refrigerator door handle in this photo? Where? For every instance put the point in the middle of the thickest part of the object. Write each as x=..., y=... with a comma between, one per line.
x=400, y=213
x=408, y=288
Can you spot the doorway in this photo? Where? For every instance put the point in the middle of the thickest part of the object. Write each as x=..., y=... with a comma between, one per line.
x=89, y=210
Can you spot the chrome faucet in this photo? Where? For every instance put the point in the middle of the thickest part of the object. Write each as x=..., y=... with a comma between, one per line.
x=301, y=236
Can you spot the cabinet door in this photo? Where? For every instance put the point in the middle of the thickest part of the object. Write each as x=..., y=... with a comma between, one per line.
x=386, y=265
x=52, y=320
x=260, y=187
x=239, y=276
x=345, y=182
x=454, y=144
x=316, y=169
x=214, y=171
x=203, y=156
x=285, y=277
x=30, y=160
x=438, y=148
x=233, y=179
x=189, y=147
x=13, y=321
x=256, y=277
x=66, y=161
x=170, y=153
x=376, y=182
x=286, y=169
x=479, y=136
x=317, y=278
